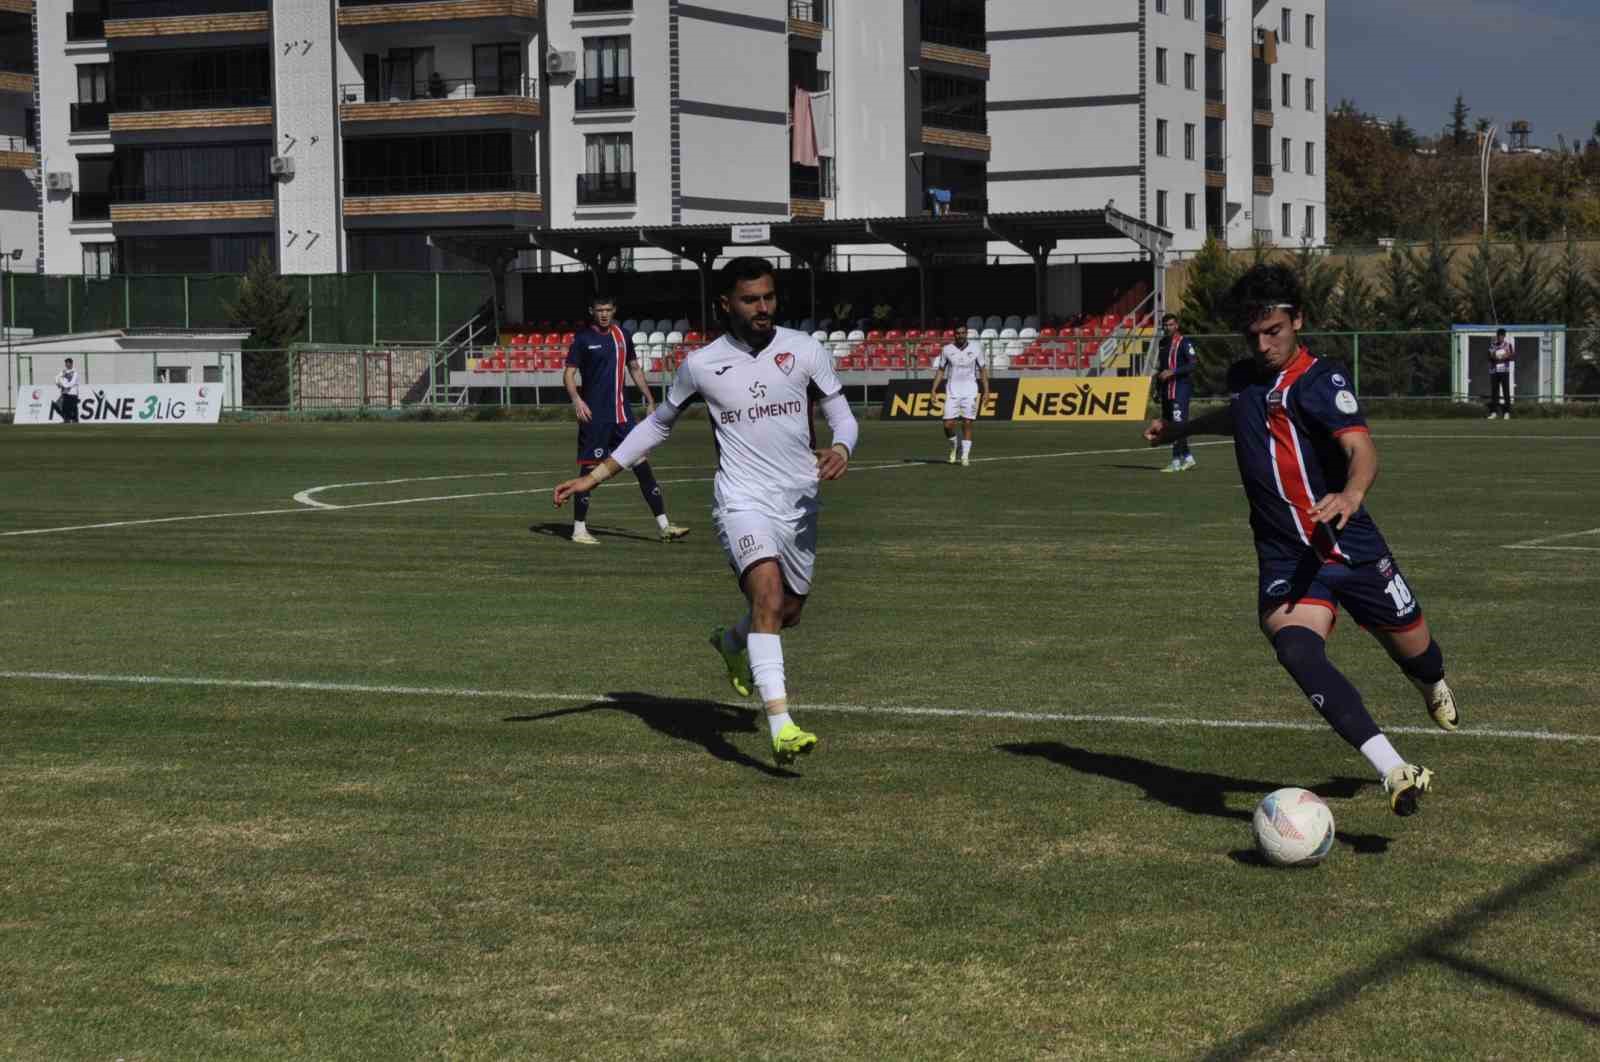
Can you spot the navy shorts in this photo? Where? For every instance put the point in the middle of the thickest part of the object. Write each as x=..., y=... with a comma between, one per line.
x=597, y=439
x=1375, y=594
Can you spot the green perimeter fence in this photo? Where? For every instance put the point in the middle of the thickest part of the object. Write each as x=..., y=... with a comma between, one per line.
x=356, y=309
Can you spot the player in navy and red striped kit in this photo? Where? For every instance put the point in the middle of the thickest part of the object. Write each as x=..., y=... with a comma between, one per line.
x=1175, y=383
x=1307, y=462
x=604, y=359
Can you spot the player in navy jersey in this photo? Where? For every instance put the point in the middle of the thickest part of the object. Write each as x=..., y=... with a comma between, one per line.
x=603, y=357
x=1307, y=461
x=1175, y=383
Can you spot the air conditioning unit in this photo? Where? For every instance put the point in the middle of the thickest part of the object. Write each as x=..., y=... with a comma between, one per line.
x=561, y=63
x=281, y=166
x=58, y=182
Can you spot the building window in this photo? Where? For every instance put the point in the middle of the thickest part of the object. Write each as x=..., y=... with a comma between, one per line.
x=99, y=259
x=1161, y=66
x=1288, y=21
x=608, y=169
x=1311, y=32
x=1311, y=158
x=1188, y=210
x=1311, y=223
x=1161, y=7
x=1286, y=85
x=1161, y=209
x=1161, y=136
x=172, y=374
x=1188, y=10
x=607, y=73
x=1311, y=93
x=1286, y=155
x=1188, y=140
x=1188, y=70
x=497, y=70
x=1285, y=227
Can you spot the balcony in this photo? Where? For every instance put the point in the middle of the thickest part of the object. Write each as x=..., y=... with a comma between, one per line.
x=90, y=117
x=1216, y=171
x=17, y=74
x=966, y=37
x=444, y=193
x=221, y=202
x=17, y=154
x=602, y=93
x=958, y=202
x=600, y=7
x=86, y=26
x=86, y=207
x=1261, y=114
x=1263, y=178
x=519, y=15
x=134, y=19
x=137, y=112
x=127, y=9
x=807, y=19
x=595, y=189
x=438, y=97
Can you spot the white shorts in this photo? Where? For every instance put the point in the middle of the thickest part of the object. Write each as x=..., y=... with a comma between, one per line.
x=963, y=407
x=748, y=535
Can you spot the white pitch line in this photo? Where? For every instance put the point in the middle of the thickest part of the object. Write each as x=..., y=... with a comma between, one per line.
x=849, y=709
x=1539, y=543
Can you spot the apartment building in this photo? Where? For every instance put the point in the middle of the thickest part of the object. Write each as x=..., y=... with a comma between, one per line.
x=19, y=152
x=191, y=135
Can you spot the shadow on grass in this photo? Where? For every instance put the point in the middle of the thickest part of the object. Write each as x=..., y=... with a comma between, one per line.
x=701, y=722
x=1197, y=792
x=563, y=529
x=1433, y=946
x=1138, y=468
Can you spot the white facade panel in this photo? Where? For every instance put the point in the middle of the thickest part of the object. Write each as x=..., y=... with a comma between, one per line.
x=1064, y=138
x=870, y=83
x=1060, y=67
x=1035, y=14
x=1076, y=193
x=305, y=72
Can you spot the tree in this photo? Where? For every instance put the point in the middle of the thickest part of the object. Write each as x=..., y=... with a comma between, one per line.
x=1484, y=274
x=1458, y=123
x=269, y=308
x=1401, y=135
x=1351, y=305
x=1573, y=295
x=1211, y=275
x=1525, y=292
x=1318, y=281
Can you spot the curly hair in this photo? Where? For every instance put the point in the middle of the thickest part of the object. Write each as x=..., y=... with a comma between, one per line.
x=1261, y=290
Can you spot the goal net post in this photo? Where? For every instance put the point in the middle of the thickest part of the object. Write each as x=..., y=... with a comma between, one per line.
x=1540, y=370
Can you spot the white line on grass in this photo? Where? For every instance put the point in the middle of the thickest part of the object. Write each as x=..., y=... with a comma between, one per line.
x=850, y=709
x=1539, y=543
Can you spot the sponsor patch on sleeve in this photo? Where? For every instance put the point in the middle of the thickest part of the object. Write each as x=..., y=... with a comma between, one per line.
x=1346, y=402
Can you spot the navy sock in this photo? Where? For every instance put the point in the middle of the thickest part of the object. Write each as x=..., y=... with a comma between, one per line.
x=1304, y=654
x=1427, y=666
x=650, y=488
x=580, y=506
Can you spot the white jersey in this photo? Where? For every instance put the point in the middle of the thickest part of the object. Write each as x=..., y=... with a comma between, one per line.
x=761, y=412
x=962, y=367
x=68, y=382
x=1505, y=349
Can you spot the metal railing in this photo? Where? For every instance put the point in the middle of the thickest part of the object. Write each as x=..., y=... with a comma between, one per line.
x=193, y=193
x=18, y=64
x=86, y=207
x=809, y=10
x=1261, y=169
x=1216, y=164
x=1216, y=24
x=605, y=188
x=440, y=183
x=600, y=7
x=813, y=184
x=592, y=93
x=177, y=8
x=193, y=99
x=963, y=121
x=89, y=117
x=17, y=143
x=1216, y=94
x=387, y=90
x=1262, y=103
x=974, y=40
x=85, y=25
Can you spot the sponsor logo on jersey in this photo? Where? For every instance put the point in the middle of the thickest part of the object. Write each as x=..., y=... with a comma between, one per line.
x=747, y=544
x=1317, y=699
x=785, y=362
x=1346, y=402
x=1338, y=381
x=722, y=370
x=1274, y=398
x=1278, y=588
x=758, y=390
x=1385, y=566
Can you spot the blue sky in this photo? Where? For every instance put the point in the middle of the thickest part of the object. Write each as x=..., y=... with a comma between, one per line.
x=1533, y=59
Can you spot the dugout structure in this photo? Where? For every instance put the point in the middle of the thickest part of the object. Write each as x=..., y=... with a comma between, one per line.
x=1541, y=368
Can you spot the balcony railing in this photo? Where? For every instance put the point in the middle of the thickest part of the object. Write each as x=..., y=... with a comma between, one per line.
x=17, y=64
x=177, y=8
x=594, y=93
x=1216, y=24
x=599, y=7
x=968, y=37
x=1262, y=103
x=605, y=188
x=438, y=88
x=18, y=143
x=86, y=207
x=1262, y=169
x=1216, y=94
x=89, y=117
x=1216, y=164
x=809, y=10
x=193, y=99
x=193, y=193
x=85, y=26
x=813, y=184
x=440, y=183
x=964, y=121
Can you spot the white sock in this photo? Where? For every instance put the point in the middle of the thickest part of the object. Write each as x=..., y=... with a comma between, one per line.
x=735, y=637
x=1381, y=755
x=661, y=521
x=966, y=447
x=766, y=663
x=778, y=722
x=579, y=527
x=952, y=440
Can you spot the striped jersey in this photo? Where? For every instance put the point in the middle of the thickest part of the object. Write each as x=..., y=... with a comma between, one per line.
x=601, y=355
x=1286, y=429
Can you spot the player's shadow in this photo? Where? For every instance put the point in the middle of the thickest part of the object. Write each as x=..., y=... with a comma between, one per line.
x=1196, y=792
x=704, y=723
x=563, y=529
x=1137, y=468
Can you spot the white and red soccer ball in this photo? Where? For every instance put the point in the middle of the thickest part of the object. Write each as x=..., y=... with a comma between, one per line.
x=1293, y=828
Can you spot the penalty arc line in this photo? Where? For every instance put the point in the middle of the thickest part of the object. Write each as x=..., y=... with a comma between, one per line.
x=289, y=685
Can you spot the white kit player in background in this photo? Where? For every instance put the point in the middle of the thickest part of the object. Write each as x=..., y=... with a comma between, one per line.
x=67, y=403
x=965, y=366
x=756, y=382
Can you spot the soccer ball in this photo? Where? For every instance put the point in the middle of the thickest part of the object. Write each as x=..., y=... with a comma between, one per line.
x=1293, y=828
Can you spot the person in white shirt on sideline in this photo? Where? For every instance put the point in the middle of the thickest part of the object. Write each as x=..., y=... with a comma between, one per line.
x=962, y=399
x=67, y=403
x=1502, y=362
x=757, y=382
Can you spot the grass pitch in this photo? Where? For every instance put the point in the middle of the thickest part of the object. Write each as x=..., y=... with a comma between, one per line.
x=420, y=778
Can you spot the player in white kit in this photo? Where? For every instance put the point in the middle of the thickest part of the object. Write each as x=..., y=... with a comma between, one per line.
x=757, y=382
x=966, y=366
